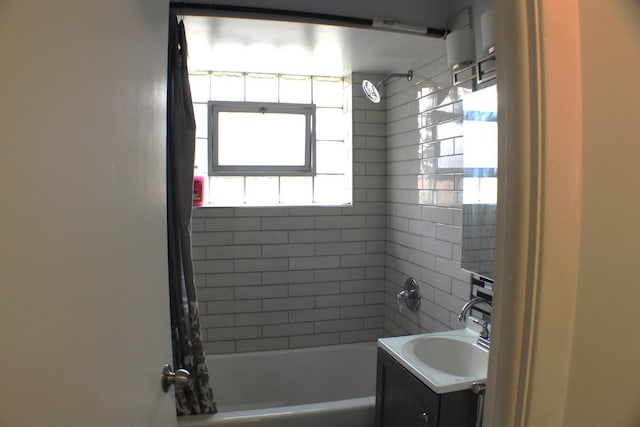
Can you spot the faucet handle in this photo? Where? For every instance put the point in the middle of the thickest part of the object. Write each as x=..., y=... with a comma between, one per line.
x=410, y=294
x=483, y=323
x=478, y=321
x=403, y=294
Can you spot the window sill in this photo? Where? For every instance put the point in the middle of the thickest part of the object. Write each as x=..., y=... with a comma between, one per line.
x=315, y=205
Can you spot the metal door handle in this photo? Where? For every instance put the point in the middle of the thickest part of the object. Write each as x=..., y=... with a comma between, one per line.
x=181, y=378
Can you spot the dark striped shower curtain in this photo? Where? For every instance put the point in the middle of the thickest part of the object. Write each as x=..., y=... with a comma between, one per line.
x=185, y=324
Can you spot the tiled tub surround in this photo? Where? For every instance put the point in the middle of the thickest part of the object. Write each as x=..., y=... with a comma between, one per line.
x=424, y=199
x=287, y=277
x=274, y=278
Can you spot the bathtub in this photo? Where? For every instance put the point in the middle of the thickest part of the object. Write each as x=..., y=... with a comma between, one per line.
x=310, y=387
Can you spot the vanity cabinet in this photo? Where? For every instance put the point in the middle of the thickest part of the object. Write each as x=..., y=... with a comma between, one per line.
x=404, y=401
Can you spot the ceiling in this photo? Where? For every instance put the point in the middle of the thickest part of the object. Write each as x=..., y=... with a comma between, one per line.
x=255, y=45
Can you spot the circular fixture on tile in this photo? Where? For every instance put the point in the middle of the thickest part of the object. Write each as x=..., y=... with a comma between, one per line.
x=372, y=91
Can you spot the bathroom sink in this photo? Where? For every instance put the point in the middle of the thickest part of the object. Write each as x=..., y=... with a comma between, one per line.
x=448, y=354
x=444, y=361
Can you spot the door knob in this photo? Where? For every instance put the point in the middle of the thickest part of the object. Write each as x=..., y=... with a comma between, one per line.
x=181, y=378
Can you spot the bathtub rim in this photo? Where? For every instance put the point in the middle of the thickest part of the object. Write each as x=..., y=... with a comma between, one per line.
x=275, y=414
x=275, y=352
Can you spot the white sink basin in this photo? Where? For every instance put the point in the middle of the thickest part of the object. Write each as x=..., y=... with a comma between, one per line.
x=444, y=361
x=448, y=354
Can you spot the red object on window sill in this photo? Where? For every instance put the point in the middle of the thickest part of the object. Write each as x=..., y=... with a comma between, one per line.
x=198, y=190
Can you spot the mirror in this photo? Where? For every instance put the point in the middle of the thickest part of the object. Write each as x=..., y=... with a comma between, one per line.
x=480, y=183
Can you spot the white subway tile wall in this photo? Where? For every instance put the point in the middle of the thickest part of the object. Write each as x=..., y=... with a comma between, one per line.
x=424, y=199
x=287, y=277
x=275, y=278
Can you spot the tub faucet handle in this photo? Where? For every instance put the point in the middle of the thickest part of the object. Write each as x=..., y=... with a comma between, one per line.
x=402, y=295
x=410, y=295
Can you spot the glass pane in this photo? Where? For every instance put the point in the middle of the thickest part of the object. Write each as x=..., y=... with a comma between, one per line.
x=200, y=162
x=330, y=124
x=202, y=120
x=261, y=88
x=329, y=189
x=327, y=92
x=330, y=157
x=199, y=87
x=227, y=87
x=295, y=89
x=296, y=190
x=226, y=191
x=262, y=191
x=253, y=139
x=481, y=149
x=481, y=190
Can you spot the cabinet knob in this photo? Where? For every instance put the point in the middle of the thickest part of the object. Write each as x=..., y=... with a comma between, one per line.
x=425, y=417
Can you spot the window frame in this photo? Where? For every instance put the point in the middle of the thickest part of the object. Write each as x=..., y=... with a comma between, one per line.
x=309, y=112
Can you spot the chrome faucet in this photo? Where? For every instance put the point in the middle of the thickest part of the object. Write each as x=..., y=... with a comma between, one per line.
x=483, y=339
x=410, y=294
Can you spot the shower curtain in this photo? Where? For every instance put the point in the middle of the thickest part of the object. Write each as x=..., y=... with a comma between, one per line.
x=185, y=324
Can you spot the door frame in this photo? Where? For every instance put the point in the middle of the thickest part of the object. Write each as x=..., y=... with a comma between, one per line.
x=537, y=262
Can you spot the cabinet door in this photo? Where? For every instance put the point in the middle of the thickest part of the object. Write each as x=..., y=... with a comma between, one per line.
x=402, y=400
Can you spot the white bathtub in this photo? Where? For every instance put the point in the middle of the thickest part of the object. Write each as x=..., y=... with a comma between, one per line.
x=319, y=386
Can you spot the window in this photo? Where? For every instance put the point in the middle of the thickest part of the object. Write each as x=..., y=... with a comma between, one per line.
x=280, y=140
x=261, y=139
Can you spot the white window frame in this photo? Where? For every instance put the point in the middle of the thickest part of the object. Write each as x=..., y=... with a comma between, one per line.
x=308, y=110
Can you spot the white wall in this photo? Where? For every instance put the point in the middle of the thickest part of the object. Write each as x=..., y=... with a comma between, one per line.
x=286, y=277
x=603, y=378
x=272, y=278
x=424, y=197
x=565, y=353
x=477, y=8
x=83, y=274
